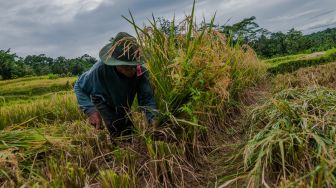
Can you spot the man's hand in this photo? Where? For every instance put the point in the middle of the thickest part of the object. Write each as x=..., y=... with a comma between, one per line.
x=96, y=120
x=154, y=123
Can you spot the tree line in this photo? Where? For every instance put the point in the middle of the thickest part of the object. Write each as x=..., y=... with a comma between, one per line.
x=268, y=44
x=265, y=43
x=13, y=66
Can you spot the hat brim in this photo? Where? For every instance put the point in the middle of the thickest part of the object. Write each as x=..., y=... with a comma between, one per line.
x=108, y=60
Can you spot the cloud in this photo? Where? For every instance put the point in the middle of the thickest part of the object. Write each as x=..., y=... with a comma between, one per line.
x=293, y=16
x=72, y=28
x=318, y=24
x=324, y=13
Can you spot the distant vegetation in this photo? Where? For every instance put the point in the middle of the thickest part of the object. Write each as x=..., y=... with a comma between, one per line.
x=266, y=44
x=13, y=66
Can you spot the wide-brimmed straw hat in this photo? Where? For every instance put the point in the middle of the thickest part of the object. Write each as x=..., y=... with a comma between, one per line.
x=122, y=50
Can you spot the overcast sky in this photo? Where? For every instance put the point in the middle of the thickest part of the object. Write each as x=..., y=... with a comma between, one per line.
x=72, y=28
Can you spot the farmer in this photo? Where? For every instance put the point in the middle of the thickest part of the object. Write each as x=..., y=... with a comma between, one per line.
x=108, y=89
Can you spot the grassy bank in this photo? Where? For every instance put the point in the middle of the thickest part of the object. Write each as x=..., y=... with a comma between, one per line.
x=293, y=63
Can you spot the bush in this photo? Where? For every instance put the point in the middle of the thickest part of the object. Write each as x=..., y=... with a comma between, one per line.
x=53, y=76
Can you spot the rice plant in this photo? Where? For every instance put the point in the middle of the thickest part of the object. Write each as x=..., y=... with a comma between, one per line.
x=35, y=86
x=56, y=107
x=321, y=75
x=293, y=140
x=194, y=71
x=20, y=148
x=166, y=165
x=109, y=178
x=60, y=173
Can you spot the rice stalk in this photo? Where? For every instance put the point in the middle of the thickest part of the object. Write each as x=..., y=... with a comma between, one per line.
x=293, y=139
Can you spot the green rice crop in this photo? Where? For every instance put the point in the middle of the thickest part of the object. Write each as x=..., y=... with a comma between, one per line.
x=24, y=79
x=26, y=88
x=285, y=59
x=296, y=63
x=57, y=107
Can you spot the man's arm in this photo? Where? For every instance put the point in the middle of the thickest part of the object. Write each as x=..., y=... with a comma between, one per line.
x=146, y=98
x=83, y=98
x=84, y=101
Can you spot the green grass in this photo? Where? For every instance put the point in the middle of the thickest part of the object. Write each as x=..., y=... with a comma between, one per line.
x=293, y=63
x=284, y=59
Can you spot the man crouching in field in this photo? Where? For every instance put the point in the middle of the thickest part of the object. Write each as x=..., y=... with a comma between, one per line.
x=108, y=89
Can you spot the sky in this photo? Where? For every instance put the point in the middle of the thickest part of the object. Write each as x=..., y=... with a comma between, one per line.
x=72, y=28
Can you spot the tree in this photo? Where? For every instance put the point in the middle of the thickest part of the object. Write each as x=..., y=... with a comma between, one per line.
x=247, y=30
x=39, y=63
x=166, y=25
x=8, y=67
x=294, y=42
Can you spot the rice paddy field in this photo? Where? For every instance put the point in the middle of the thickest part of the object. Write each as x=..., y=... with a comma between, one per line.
x=225, y=119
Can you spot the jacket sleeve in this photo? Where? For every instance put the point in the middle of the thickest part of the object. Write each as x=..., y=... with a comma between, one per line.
x=82, y=89
x=146, y=97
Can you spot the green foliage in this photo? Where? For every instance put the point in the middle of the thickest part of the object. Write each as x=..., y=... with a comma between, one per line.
x=12, y=66
x=268, y=44
x=293, y=42
x=9, y=66
x=283, y=59
x=245, y=30
x=322, y=40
